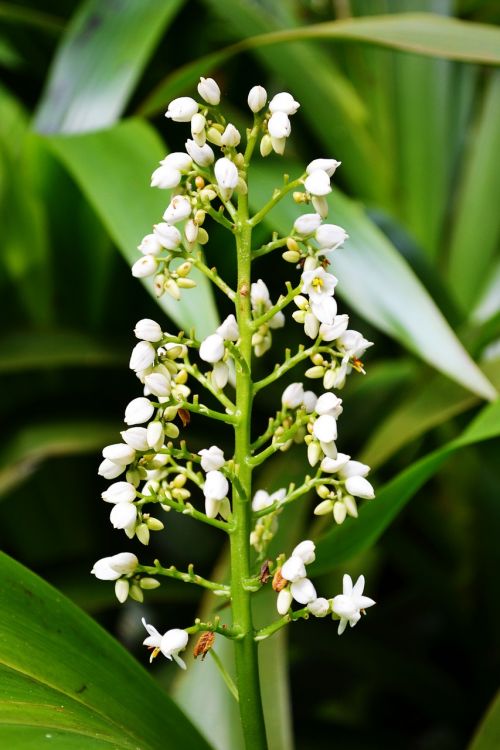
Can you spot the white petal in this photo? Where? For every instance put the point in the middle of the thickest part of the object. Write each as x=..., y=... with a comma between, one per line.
x=360, y=487
x=305, y=550
x=303, y=591
x=293, y=569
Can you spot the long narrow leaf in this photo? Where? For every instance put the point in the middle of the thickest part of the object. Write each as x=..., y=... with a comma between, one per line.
x=343, y=542
x=66, y=682
x=101, y=57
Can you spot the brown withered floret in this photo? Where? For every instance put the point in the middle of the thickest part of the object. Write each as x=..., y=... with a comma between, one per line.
x=204, y=644
x=278, y=581
x=264, y=571
x=185, y=417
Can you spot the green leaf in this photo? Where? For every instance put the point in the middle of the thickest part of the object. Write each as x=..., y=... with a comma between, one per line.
x=30, y=351
x=35, y=443
x=380, y=286
x=430, y=404
x=488, y=733
x=101, y=57
x=16, y=14
x=64, y=679
x=354, y=536
x=113, y=168
x=472, y=251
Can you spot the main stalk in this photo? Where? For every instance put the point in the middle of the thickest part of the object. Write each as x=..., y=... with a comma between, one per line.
x=247, y=668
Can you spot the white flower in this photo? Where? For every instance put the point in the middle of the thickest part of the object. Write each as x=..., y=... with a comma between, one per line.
x=198, y=124
x=359, y=487
x=283, y=102
x=354, y=344
x=277, y=321
x=325, y=428
x=328, y=403
x=293, y=569
x=170, y=643
x=143, y=356
x=354, y=469
x=111, y=568
x=303, y=591
x=220, y=374
x=145, y=266
x=155, y=435
x=136, y=437
x=212, y=348
x=226, y=173
x=318, y=184
x=178, y=160
x=336, y=329
x=305, y=550
x=263, y=499
x=307, y=224
x=119, y=492
x=333, y=465
x=228, y=329
x=257, y=97
x=119, y=453
x=165, y=177
x=159, y=383
x=318, y=283
x=168, y=235
x=178, y=209
x=110, y=470
x=202, y=155
x=319, y=607
x=284, y=601
x=320, y=205
x=327, y=165
x=138, y=411
x=209, y=91
x=182, y=109
x=123, y=516
x=309, y=401
x=293, y=396
x=278, y=145
x=148, y=330
x=279, y=125
x=211, y=458
x=231, y=136
x=351, y=602
x=150, y=245
x=215, y=490
x=259, y=295
x=330, y=236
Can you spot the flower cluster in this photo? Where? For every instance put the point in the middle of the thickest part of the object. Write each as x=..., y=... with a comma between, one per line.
x=291, y=583
x=153, y=465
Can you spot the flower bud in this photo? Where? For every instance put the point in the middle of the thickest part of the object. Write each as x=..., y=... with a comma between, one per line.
x=172, y=288
x=198, y=124
x=150, y=245
x=283, y=102
x=320, y=205
x=123, y=515
x=168, y=235
x=148, y=330
x=212, y=348
x=110, y=470
x=319, y=607
x=266, y=145
x=165, y=177
x=171, y=431
x=305, y=550
x=182, y=109
x=121, y=590
x=327, y=165
x=158, y=383
x=209, y=91
x=351, y=506
x=315, y=372
x=231, y=136
x=339, y=512
x=119, y=453
x=318, y=183
x=291, y=256
x=359, y=487
x=330, y=236
x=202, y=155
x=119, y=492
x=191, y=232
x=211, y=458
x=178, y=160
x=178, y=209
x=143, y=356
x=228, y=329
x=148, y=584
x=323, y=508
x=284, y=601
x=226, y=174
x=136, y=438
x=136, y=594
x=142, y=533
x=307, y=224
x=214, y=136
x=292, y=396
x=257, y=97
x=154, y=524
x=145, y=266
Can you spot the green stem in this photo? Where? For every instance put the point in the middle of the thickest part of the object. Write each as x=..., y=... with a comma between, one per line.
x=277, y=196
x=278, y=307
x=190, y=577
x=264, y=633
x=247, y=669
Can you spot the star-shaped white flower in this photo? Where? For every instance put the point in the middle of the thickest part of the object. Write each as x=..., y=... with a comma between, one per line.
x=170, y=643
x=351, y=603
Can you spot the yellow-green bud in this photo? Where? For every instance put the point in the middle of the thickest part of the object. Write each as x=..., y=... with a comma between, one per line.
x=136, y=593
x=178, y=481
x=323, y=491
x=300, y=197
x=214, y=136
x=266, y=145
x=199, y=217
x=291, y=256
x=339, y=512
x=142, y=533
x=154, y=524
x=186, y=283
x=315, y=372
x=171, y=431
x=184, y=268
x=323, y=508
x=317, y=359
x=351, y=506
x=149, y=584
x=122, y=587
x=202, y=236
x=181, y=377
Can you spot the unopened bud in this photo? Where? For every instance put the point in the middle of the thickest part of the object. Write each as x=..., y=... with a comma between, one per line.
x=292, y=244
x=266, y=145
x=122, y=587
x=339, y=512
x=199, y=217
x=329, y=379
x=181, y=377
x=323, y=508
x=202, y=236
x=199, y=182
x=291, y=256
x=214, y=136
x=191, y=231
x=186, y=283
x=184, y=268
x=315, y=372
x=323, y=491
x=317, y=359
x=300, y=197
x=142, y=532
x=350, y=505
x=178, y=481
x=172, y=288
x=148, y=584
x=136, y=593
x=154, y=524
x=171, y=431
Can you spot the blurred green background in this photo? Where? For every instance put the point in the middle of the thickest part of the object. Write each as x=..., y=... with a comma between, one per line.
x=83, y=90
